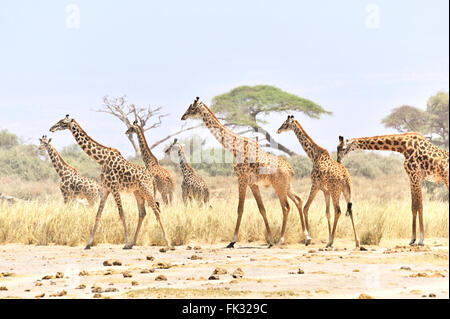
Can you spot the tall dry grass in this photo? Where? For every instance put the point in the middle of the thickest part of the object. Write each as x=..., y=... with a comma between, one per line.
x=382, y=210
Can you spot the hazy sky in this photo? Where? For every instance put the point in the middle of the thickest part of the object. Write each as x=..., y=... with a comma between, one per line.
x=358, y=59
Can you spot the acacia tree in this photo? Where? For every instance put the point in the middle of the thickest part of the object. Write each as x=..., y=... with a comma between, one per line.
x=244, y=105
x=433, y=122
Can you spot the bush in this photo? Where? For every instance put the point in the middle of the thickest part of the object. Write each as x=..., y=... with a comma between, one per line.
x=77, y=158
x=8, y=140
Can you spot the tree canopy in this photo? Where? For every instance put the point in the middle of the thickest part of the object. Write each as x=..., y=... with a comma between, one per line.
x=432, y=122
x=242, y=105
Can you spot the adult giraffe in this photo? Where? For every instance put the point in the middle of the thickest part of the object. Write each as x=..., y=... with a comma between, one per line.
x=327, y=175
x=117, y=175
x=423, y=161
x=254, y=168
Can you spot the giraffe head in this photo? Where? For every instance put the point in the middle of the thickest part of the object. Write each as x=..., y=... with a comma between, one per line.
x=343, y=148
x=174, y=146
x=194, y=111
x=44, y=142
x=64, y=124
x=133, y=129
x=287, y=125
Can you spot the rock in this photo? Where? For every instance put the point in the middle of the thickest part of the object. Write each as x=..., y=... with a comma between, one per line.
x=238, y=273
x=419, y=274
x=81, y=286
x=432, y=295
x=162, y=265
x=355, y=270
x=37, y=284
x=405, y=268
x=59, y=294
x=300, y=271
x=150, y=257
x=134, y=283
x=312, y=251
x=234, y=281
x=48, y=277
x=107, y=263
x=127, y=274
x=213, y=277
x=97, y=296
x=188, y=248
x=97, y=289
x=197, y=248
x=3, y=288
x=196, y=257
x=39, y=296
x=83, y=273
x=220, y=271
x=59, y=275
x=163, y=250
x=108, y=272
x=111, y=290
x=172, y=248
x=365, y=296
x=117, y=263
x=161, y=278
x=437, y=274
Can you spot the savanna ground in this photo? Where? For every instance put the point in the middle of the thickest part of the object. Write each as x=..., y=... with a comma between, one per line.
x=45, y=239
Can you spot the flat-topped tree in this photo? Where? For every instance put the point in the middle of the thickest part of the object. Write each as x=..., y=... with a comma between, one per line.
x=117, y=175
x=244, y=105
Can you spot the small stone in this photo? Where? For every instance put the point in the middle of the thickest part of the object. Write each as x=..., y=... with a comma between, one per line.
x=220, y=271
x=134, y=283
x=213, y=277
x=234, y=281
x=150, y=257
x=59, y=294
x=81, y=286
x=108, y=272
x=238, y=273
x=188, y=248
x=39, y=296
x=7, y=274
x=172, y=248
x=162, y=265
x=97, y=296
x=432, y=295
x=311, y=251
x=161, y=278
x=300, y=271
x=107, y=263
x=48, y=277
x=3, y=288
x=111, y=290
x=127, y=274
x=196, y=257
x=355, y=270
x=37, y=284
x=197, y=248
x=405, y=268
x=97, y=289
x=163, y=250
x=83, y=273
x=365, y=296
x=117, y=263
x=59, y=275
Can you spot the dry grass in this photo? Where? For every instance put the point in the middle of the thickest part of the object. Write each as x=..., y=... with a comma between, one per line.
x=381, y=208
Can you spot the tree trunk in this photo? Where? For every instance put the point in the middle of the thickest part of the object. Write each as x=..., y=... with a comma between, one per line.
x=273, y=144
x=136, y=149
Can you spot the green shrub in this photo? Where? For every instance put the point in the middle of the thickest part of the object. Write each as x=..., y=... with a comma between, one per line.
x=77, y=158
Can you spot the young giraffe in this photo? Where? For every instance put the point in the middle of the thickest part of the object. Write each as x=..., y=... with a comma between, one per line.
x=164, y=181
x=193, y=186
x=423, y=161
x=72, y=184
x=327, y=175
x=118, y=175
x=254, y=167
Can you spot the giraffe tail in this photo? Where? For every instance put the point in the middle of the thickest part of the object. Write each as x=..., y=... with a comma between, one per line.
x=349, y=209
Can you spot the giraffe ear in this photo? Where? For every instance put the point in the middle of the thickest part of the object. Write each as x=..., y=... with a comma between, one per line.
x=49, y=140
x=135, y=122
x=175, y=140
x=341, y=138
x=67, y=116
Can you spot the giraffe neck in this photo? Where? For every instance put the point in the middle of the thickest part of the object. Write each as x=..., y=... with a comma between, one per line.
x=93, y=149
x=400, y=143
x=147, y=156
x=243, y=149
x=58, y=162
x=186, y=168
x=309, y=146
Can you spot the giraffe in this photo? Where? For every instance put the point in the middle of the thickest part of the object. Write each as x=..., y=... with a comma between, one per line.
x=193, y=186
x=423, y=161
x=254, y=168
x=327, y=175
x=164, y=181
x=117, y=175
x=72, y=184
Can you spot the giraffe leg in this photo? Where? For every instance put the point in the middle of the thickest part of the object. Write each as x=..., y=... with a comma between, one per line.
x=327, y=210
x=419, y=209
x=337, y=214
x=298, y=202
x=116, y=195
x=141, y=208
x=242, y=190
x=416, y=204
x=347, y=196
x=103, y=197
x=155, y=207
x=312, y=195
x=282, y=195
x=262, y=211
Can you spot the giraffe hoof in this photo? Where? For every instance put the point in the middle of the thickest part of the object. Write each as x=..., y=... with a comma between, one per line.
x=411, y=243
x=230, y=245
x=127, y=247
x=307, y=241
x=87, y=247
x=420, y=244
x=361, y=248
x=270, y=245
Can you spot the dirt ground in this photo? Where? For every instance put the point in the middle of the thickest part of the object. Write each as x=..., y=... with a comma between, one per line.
x=393, y=270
